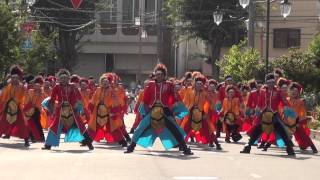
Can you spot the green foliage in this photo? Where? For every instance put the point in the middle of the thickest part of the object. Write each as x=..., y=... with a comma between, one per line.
x=68, y=23
x=242, y=63
x=314, y=49
x=315, y=123
x=196, y=20
x=299, y=66
x=10, y=39
x=40, y=54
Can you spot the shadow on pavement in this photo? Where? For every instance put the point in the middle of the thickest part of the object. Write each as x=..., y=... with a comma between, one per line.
x=201, y=147
x=284, y=156
x=175, y=155
x=18, y=146
x=79, y=151
x=107, y=147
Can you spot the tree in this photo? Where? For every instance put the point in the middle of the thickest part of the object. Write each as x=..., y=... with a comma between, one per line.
x=314, y=49
x=9, y=40
x=196, y=15
x=69, y=24
x=42, y=52
x=300, y=66
x=242, y=63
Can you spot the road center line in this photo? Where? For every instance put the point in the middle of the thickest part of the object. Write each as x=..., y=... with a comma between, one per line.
x=257, y=176
x=195, y=178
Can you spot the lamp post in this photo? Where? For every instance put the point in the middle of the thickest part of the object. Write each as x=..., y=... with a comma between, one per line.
x=218, y=16
x=142, y=35
x=285, y=8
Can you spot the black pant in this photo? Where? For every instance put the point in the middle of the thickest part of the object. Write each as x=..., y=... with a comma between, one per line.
x=278, y=128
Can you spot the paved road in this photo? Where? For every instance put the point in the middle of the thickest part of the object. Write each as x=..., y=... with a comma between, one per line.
x=108, y=162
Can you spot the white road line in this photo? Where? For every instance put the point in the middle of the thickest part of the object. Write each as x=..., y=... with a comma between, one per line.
x=195, y=178
x=230, y=158
x=257, y=176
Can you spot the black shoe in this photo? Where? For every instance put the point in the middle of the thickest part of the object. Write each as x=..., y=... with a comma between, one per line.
x=26, y=143
x=211, y=145
x=181, y=148
x=314, y=149
x=123, y=143
x=218, y=147
x=46, y=147
x=290, y=151
x=130, y=148
x=246, y=149
x=90, y=146
x=83, y=143
x=261, y=145
x=6, y=137
x=266, y=147
x=236, y=137
x=187, y=151
x=227, y=140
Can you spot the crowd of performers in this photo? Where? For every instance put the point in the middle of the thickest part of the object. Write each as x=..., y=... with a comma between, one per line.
x=177, y=111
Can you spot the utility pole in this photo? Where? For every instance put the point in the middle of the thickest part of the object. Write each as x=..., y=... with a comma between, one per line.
x=160, y=34
x=267, y=36
x=251, y=30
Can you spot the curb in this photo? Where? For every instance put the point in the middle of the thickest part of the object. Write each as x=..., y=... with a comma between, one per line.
x=315, y=135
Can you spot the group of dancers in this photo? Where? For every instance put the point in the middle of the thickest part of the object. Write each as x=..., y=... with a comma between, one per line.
x=177, y=111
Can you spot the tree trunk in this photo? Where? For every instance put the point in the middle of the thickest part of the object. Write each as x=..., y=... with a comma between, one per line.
x=67, y=49
x=215, y=47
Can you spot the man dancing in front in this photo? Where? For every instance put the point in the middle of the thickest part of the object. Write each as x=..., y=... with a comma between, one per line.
x=159, y=108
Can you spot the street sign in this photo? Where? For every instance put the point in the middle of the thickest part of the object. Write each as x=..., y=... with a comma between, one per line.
x=27, y=27
x=27, y=44
x=76, y=3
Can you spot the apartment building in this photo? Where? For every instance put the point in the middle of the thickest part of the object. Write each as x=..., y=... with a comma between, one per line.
x=124, y=40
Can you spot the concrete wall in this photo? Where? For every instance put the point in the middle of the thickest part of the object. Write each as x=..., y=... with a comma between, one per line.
x=90, y=65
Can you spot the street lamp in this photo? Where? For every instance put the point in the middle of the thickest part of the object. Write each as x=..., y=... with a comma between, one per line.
x=285, y=8
x=142, y=35
x=217, y=17
x=244, y=3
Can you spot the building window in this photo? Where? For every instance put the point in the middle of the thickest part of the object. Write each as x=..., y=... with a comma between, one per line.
x=286, y=38
x=150, y=11
x=107, y=13
x=130, y=10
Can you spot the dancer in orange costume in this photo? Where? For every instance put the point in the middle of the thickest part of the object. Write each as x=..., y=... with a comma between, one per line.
x=12, y=98
x=230, y=113
x=34, y=112
x=198, y=123
x=302, y=132
x=105, y=120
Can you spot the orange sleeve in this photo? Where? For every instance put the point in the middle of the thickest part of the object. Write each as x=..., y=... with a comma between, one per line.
x=224, y=105
x=302, y=111
x=236, y=108
x=187, y=99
